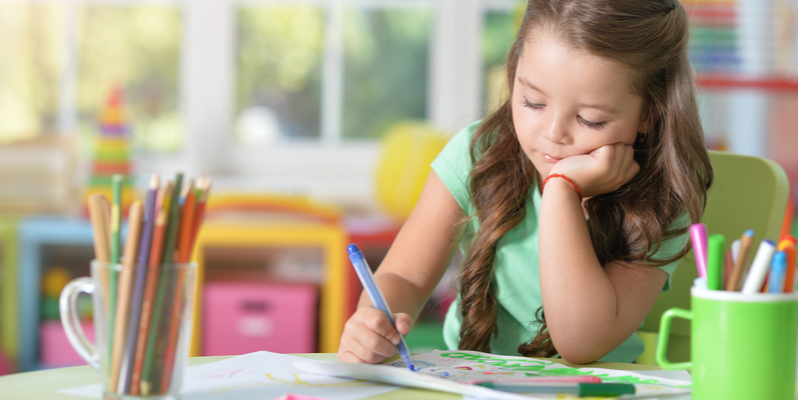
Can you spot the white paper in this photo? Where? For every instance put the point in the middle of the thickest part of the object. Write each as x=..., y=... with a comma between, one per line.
x=258, y=376
x=265, y=375
x=463, y=366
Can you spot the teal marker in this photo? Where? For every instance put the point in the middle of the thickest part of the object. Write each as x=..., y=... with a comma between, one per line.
x=572, y=389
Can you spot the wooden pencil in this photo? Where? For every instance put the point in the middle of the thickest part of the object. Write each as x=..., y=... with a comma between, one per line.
x=113, y=279
x=101, y=231
x=154, y=265
x=135, y=216
x=150, y=208
x=187, y=224
x=169, y=247
x=735, y=282
x=728, y=267
x=178, y=302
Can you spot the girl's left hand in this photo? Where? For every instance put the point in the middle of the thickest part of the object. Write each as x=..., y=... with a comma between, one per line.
x=604, y=170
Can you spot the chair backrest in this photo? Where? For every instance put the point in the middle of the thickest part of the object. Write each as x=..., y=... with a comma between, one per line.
x=747, y=193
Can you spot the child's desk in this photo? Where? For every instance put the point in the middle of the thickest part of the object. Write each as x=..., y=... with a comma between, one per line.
x=42, y=385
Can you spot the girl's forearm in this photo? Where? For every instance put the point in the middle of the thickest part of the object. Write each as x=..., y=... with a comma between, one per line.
x=400, y=294
x=579, y=300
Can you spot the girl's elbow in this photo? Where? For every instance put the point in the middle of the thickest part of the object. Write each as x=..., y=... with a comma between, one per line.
x=579, y=357
x=578, y=351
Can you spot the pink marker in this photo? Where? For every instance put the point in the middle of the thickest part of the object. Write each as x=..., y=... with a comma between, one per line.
x=541, y=379
x=700, y=244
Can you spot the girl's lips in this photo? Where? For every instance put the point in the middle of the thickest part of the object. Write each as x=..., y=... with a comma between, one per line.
x=550, y=158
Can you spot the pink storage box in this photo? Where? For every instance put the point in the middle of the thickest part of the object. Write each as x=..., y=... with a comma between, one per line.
x=54, y=345
x=243, y=317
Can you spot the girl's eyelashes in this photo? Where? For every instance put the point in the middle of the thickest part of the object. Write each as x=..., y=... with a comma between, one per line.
x=590, y=124
x=526, y=103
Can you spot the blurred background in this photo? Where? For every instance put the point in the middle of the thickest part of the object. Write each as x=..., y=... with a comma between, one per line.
x=315, y=120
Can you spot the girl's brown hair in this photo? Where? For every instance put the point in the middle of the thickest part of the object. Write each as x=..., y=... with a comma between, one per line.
x=650, y=38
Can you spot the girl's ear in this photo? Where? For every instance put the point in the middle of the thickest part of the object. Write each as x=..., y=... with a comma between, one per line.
x=647, y=123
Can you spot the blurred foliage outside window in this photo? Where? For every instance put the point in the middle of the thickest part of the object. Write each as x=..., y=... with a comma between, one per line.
x=386, y=69
x=29, y=68
x=278, y=73
x=136, y=48
x=280, y=54
x=499, y=30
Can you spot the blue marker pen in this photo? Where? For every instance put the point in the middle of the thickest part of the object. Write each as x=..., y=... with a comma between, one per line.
x=777, y=272
x=375, y=295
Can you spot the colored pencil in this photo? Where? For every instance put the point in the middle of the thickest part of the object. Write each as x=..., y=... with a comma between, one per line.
x=735, y=282
x=123, y=298
x=788, y=244
x=728, y=268
x=187, y=224
x=154, y=265
x=184, y=255
x=113, y=280
x=101, y=230
x=169, y=247
x=141, y=276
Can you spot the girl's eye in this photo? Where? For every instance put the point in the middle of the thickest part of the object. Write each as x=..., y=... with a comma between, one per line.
x=590, y=124
x=526, y=103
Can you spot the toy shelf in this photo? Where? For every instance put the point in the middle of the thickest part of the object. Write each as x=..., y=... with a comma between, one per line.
x=729, y=81
x=265, y=234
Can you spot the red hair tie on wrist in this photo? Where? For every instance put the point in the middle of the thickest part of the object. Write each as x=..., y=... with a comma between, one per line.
x=566, y=179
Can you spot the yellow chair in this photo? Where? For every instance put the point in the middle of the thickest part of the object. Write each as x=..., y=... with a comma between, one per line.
x=747, y=193
x=286, y=222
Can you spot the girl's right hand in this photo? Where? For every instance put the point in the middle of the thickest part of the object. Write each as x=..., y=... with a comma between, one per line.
x=601, y=171
x=368, y=336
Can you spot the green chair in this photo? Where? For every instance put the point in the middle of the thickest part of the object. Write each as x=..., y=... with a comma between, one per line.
x=747, y=193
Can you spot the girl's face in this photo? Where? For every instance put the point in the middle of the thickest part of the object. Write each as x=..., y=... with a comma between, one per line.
x=566, y=103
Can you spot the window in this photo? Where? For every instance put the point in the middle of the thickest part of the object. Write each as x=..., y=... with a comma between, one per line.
x=134, y=48
x=278, y=73
x=29, y=68
x=385, y=68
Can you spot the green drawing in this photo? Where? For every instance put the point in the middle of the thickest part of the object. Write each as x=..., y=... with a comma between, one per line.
x=533, y=367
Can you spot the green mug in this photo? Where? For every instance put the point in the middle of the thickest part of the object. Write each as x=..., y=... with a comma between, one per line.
x=743, y=346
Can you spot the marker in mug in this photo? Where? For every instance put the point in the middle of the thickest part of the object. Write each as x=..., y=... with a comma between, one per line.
x=716, y=259
x=376, y=297
x=758, y=271
x=777, y=272
x=699, y=236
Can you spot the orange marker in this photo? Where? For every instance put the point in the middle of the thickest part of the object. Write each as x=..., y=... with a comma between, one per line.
x=788, y=244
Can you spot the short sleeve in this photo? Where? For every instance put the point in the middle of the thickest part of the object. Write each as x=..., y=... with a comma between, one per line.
x=454, y=164
x=670, y=247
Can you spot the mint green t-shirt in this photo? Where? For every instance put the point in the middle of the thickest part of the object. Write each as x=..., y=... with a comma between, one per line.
x=516, y=269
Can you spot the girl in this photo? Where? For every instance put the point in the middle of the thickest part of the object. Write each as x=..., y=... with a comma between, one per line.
x=572, y=200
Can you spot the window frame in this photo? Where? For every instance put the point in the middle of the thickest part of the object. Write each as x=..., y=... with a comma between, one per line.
x=207, y=99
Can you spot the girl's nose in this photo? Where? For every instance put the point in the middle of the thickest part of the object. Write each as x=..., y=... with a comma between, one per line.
x=557, y=131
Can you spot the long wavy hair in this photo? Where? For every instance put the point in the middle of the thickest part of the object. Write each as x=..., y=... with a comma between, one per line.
x=650, y=38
